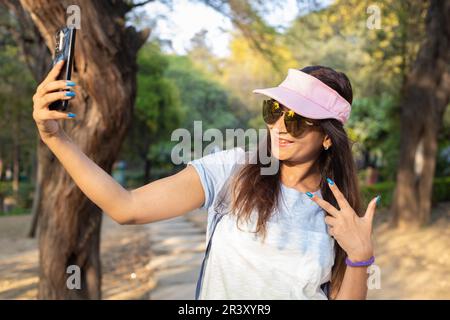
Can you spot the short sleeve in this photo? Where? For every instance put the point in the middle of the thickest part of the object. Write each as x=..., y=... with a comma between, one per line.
x=214, y=169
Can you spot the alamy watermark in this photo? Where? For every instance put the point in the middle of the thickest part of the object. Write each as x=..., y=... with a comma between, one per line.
x=374, y=20
x=374, y=279
x=73, y=17
x=191, y=146
x=73, y=281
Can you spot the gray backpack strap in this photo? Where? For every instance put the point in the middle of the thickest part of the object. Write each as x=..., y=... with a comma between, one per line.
x=216, y=220
x=218, y=214
x=326, y=289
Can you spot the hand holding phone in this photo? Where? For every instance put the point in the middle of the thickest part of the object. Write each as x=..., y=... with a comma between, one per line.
x=64, y=50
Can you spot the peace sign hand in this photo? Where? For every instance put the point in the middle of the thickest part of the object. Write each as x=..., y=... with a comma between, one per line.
x=353, y=233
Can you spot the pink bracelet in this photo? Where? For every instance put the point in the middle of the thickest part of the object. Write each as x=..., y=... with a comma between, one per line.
x=365, y=263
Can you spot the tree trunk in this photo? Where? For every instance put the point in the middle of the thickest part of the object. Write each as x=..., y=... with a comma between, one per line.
x=16, y=168
x=425, y=96
x=16, y=156
x=35, y=209
x=105, y=72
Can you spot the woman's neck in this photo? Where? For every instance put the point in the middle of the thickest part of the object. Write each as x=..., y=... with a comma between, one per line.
x=301, y=176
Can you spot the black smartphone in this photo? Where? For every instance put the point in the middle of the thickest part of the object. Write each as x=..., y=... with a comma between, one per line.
x=64, y=49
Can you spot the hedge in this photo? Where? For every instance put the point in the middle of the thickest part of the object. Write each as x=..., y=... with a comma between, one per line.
x=441, y=191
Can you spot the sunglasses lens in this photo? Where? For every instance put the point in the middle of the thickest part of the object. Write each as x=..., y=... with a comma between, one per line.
x=271, y=111
x=294, y=123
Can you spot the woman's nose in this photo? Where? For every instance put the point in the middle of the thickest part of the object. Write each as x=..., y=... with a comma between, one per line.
x=279, y=124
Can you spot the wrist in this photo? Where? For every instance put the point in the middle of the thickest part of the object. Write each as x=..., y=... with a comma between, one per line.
x=363, y=255
x=360, y=263
x=48, y=138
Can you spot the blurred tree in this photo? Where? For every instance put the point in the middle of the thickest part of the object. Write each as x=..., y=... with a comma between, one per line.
x=245, y=69
x=16, y=125
x=201, y=55
x=443, y=158
x=18, y=24
x=205, y=99
x=21, y=28
x=425, y=96
x=246, y=16
x=158, y=110
x=69, y=223
x=374, y=59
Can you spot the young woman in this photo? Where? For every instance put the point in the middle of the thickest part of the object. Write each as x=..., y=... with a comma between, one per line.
x=293, y=234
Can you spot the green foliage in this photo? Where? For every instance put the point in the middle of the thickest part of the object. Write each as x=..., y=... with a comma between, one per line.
x=374, y=125
x=158, y=109
x=376, y=61
x=443, y=156
x=161, y=159
x=5, y=188
x=441, y=191
x=157, y=101
x=15, y=211
x=134, y=178
x=384, y=189
x=24, y=197
x=206, y=100
x=173, y=93
x=17, y=129
x=26, y=193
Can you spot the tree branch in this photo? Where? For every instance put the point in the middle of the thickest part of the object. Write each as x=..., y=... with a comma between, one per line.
x=248, y=21
x=143, y=3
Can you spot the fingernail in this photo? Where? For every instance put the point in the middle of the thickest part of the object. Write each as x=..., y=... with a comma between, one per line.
x=331, y=182
x=309, y=194
x=70, y=83
x=71, y=115
x=378, y=199
x=70, y=94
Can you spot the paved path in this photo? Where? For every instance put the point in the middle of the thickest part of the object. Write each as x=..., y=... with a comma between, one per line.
x=178, y=247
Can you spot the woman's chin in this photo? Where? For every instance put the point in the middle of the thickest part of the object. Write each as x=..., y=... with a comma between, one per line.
x=283, y=152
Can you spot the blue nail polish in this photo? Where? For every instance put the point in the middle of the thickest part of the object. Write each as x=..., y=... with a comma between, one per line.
x=71, y=115
x=70, y=94
x=331, y=182
x=378, y=199
x=309, y=194
x=70, y=83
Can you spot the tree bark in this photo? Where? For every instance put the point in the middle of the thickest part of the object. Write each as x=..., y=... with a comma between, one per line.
x=105, y=72
x=16, y=168
x=35, y=209
x=426, y=95
x=16, y=154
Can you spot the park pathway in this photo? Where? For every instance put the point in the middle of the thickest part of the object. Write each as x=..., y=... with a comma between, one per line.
x=178, y=247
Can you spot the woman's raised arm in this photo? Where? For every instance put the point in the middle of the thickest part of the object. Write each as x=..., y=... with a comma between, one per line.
x=161, y=199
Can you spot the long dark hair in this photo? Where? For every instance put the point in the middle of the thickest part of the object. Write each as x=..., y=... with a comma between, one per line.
x=253, y=191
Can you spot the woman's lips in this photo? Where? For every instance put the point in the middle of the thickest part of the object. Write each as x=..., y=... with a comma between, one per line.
x=283, y=142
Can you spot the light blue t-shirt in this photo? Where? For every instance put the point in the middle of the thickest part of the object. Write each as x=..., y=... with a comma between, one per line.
x=292, y=263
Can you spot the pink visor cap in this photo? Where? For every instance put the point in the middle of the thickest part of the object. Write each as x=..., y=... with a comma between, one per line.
x=309, y=97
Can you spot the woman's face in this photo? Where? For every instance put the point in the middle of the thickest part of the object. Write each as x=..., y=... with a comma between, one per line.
x=303, y=148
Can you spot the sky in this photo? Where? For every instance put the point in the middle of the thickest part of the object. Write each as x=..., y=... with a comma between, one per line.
x=188, y=17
